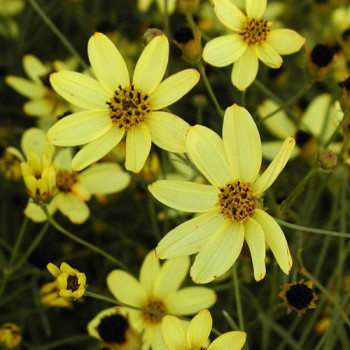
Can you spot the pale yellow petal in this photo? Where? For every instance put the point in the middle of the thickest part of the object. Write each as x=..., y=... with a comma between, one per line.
x=107, y=63
x=278, y=124
x=245, y=69
x=167, y=131
x=126, y=288
x=254, y=236
x=63, y=159
x=285, y=41
x=199, y=329
x=39, y=108
x=151, y=65
x=157, y=340
x=219, y=254
x=173, y=88
x=26, y=87
x=207, y=151
x=171, y=4
x=33, y=139
x=80, y=128
x=255, y=8
x=80, y=89
x=143, y=5
x=170, y=277
x=185, y=195
x=34, y=68
x=229, y=341
x=97, y=149
x=73, y=207
x=275, y=238
x=229, y=14
x=35, y=212
x=268, y=55
x=242, y=143
x=190, y=300
x=11, y=7
x=149, y=271
x=189, y=237
x=104, y=178
x=271, y=148
x=224, y=50
x=174, y=333
x=275, y=167
x=138, y=146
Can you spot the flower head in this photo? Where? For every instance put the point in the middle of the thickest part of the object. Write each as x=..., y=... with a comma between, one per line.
x=253, y=40
x=70, y=282
x=10, y=335
x=298, y=296
x=231, y=203
x=113, y=328
x=115, y=108
x=158, y=291
x=176, y=337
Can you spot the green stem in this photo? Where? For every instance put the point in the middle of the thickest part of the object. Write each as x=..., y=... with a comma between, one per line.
x=81, y=241
x=210, y=90
x=57, y=32
x=238, y=297
x=19, y=240
x=313, y=230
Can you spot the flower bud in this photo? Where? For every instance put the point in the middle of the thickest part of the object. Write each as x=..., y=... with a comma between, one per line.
x=320, y=60
x=10, y=335
x=188, y=6
x=327, y=159
x=190, y=44
x=150, y=34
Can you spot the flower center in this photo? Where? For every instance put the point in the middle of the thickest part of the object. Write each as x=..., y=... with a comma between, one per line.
x=128, y=107
x=255, y=31
x=299, y=295
x=65, y=180
x=112, y=329
x=157, y=306
x=236, y=201
x=72, y=283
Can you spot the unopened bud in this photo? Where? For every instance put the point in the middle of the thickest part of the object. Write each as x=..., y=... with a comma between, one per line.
x=150, y=34
x=188, y=6
x=327, y=159
x=321, y=57
x=190, y=44
x=199, y=101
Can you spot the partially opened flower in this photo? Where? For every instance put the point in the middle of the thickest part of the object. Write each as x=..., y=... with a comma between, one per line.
x=114, y=108
x=177, y=337
x=231, y=204
x=158, y=291
x=143, y=5
x=253, y=40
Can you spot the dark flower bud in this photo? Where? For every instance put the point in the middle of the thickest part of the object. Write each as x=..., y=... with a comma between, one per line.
x=322, y=55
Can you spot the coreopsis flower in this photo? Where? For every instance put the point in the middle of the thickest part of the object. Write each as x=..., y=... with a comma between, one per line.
x=73, y=189
x=9, y=9
x=114, y=108
x=231, y=205
x=298, y=296
x=143, y=5
x=49, y=296
x=318, y=123
x=158, y=291
x=10, y=335
x=112, y=327
x=253, y=40
x=195, y=337
x=70, y=282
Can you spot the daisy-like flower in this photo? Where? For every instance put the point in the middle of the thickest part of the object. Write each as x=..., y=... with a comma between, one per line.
x=144, y=5
x=177, y=337
x=253, y=40
x=298, y=296
x=158, y=291
x=111, y=326
x=231, y=203
x=115, y=108
x=318, y=123
x=70, y=282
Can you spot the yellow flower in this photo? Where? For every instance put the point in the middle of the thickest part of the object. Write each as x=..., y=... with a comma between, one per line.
x=74, y=189
x=70, y=282
x=319, y=121
x=231, y=203
x=158, y=291
x=50, y=297
x=176, y=337
x=10, y=167
x=112, y=327
x=10, y=335
x=115, y=108
x=253, y=39
x=143, y=5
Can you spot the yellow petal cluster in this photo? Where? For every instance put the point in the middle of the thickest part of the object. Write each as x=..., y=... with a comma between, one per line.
x=49, y=296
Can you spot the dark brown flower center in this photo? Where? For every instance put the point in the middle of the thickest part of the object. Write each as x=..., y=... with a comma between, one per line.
x=112, y=329
x=300, y=296
x=157, y=306
x=128, y=107
x=72, y=283
x=255, y=31
x=65, y=180
x=236, y=201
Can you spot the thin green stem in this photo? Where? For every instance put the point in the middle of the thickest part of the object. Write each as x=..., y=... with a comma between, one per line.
x=57, y=32
x=238, y=297
x=209, y=89
x=81, y=241
x=19, y=240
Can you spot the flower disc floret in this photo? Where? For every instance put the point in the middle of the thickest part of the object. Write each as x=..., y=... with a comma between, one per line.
x=255, y=31
x=65, y=180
